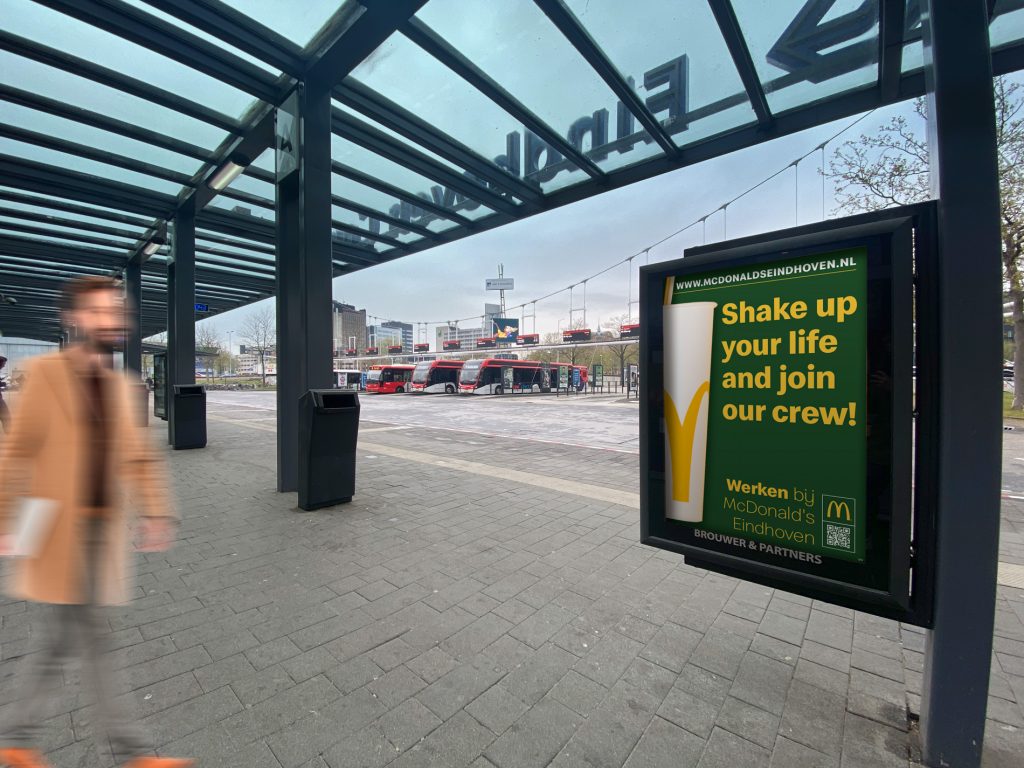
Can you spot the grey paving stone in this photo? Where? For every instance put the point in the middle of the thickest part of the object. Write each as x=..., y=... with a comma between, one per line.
x=366, y=748
x=396, y=686
x=538, y=674
x=314, y=662
x=831, y=630
x=867, y=743
x=280, y=710
x=513, y=610
x=579, y=693
x=497, y=709
x=453, y=745
x=727, y=750
x=453, y=691
x=720, y=652
x=192, y=715
x=407, y=723
x=391, y=654
x=762, y=682
x=748, y=722
x=608, y=736
x=789, y=754
x=539, y=627
x=536, y=738
x=432, y=664
x=664, y=745
x=672, y=646
x=782, y=627
x=274, y=652
x=354, y=673
x=609, y=659
x=689, y=711
x=822, y=677
x=814, y=717
x=470, y=640
x=223, y=672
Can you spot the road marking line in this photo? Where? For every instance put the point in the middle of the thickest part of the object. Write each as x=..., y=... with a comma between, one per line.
x=382, y=429
x=242, y=423
x=598, y=492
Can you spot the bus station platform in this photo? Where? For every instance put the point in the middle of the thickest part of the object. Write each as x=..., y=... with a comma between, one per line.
x=484, y=601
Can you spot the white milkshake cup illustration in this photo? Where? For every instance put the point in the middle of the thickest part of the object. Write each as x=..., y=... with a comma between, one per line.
x=688, y=335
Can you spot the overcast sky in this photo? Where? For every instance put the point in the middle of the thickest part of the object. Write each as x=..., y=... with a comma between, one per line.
x=555, y=249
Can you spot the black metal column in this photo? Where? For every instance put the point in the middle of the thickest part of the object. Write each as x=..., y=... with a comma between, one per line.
x=304, y=269
x=966, y=181
x=181, y=298
x=133, y=317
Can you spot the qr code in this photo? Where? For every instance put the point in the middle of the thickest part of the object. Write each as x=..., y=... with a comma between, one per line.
x=839, y=536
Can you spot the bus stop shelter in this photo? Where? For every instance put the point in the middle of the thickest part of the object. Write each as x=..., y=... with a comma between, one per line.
x=212, y=158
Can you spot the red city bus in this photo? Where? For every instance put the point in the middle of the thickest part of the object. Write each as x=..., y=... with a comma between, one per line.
x=487, y=377
x=432, y=376
x=388, y=379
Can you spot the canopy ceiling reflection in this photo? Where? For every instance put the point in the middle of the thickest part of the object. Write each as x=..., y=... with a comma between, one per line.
x=450, y=117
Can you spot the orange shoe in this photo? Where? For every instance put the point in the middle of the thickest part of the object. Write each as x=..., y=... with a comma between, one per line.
x=23, y=758
x=159, y=762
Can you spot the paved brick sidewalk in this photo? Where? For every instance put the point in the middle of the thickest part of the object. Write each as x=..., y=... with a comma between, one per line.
x=449, y=618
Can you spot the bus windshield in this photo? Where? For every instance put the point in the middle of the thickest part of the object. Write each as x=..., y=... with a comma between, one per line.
x=421, y=373
x=373, y=375
x=470, y=370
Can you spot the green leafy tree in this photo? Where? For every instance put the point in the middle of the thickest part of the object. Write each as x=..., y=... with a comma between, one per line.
x=890, y=168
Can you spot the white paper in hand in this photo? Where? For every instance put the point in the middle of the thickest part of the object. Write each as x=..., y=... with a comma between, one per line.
x=35, y=520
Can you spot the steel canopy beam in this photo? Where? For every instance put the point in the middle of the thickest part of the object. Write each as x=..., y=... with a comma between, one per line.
x=892, y=18
x=175, y=43
x=113, y=79
x=237, y=29
x=61, y=205
x=62, y=109
x=380, y=143
x=386, y=112
x=725, y=15
x=84, y=187
x=588, y=48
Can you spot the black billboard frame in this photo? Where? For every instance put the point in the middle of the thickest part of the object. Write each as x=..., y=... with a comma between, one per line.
x=911, y=232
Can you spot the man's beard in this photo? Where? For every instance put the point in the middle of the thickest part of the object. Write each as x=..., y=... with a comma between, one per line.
x=102, y=346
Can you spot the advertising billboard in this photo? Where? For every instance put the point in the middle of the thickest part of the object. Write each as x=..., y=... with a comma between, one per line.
x=499, y=284
x=421, y=348
x=451, y=344
x=776, y=410
x=395, y=349
x=576, y=334
x=528, y=339
x=505, y=329
x=487, y=343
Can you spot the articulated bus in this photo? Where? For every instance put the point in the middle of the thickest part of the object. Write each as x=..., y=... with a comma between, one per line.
x=432, y=376
x=487, y=377
x=388, y=379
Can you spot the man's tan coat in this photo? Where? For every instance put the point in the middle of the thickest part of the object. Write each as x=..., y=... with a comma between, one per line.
x=44, y=456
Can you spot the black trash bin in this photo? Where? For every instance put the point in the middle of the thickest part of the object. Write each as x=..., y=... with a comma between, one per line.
x=188, y=417
x=328, y=429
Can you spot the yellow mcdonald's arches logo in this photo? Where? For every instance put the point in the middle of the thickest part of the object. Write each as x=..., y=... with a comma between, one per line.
x=839, y=508
x=680, y=440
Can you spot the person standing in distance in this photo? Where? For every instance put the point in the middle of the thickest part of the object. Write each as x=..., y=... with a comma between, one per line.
x=74, y=442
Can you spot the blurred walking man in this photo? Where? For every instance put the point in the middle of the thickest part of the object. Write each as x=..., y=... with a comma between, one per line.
x=73, y=442
x=5, y=416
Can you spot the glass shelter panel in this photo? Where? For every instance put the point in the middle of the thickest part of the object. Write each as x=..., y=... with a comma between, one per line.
x=678, y=38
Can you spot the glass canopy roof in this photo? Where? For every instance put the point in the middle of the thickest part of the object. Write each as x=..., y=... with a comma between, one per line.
x=463, y=115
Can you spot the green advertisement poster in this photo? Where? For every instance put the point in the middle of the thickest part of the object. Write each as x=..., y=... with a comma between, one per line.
x=765, y=384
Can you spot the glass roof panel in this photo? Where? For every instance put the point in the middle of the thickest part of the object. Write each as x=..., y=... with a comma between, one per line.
x=254, y=186
x=794, y=67
x=84, y=93
x=55, y=29
x=402, y=72
x=43, y=122
x=47, y=211
x=267, y=161
x=1007, y=23
x=60, y=229
x=669, y=31
x=375, y=226
x=85, y=165
x=55, y=240
x=385, y=170
x=913, y=56
x=299, y=22
x=519, y=48
x=141, y=5
x=396, y=136
x=388, y=205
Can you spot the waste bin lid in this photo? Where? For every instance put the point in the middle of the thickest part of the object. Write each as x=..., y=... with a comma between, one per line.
x=334, y=398
x=189, y=389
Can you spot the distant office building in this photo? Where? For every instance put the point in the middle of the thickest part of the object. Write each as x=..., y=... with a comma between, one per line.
x=382, y=337
x=349, y=327
x=467, y=336
x=247, y=362
x=405, y=329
